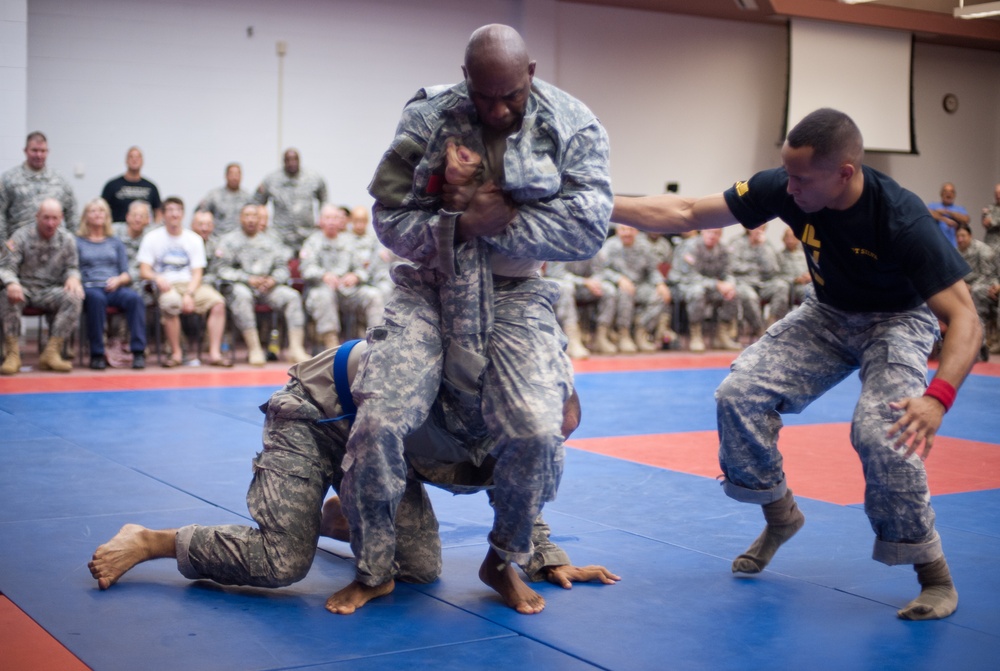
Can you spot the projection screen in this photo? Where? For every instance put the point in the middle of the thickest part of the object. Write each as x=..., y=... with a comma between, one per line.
x=864, y=72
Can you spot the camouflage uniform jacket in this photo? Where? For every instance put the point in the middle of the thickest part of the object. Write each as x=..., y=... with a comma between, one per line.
x=753, y=263
x=21, y=192
x=37, y=264
x=225, y=206
x=636, y=262
x=120, y=229
x=241, y=256
x=793, y=264
x=555, y=169
x=321, y=255
x=992, y=214
x=294, y=216
x=983, y=262
x=696, y=264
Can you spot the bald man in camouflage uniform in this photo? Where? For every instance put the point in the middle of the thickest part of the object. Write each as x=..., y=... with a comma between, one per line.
x=24, y=187
x=701, y=274
x=42, y=270
x=755, y=267
x=474, y=297
x=255, y=266
x=292, y=190
x=643, y=295
x=324, y=257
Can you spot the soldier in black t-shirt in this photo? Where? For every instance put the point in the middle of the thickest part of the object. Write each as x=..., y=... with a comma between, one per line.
x=122, y=190
x=884, y=276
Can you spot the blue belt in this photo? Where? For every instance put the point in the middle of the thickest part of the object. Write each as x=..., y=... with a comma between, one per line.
x=342, y=383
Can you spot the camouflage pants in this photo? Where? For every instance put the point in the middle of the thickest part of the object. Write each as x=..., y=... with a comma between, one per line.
x=572, y=296
x=57, y=300
x=364, y=300
x=985, y=306
x=641, y=309
x=774, y=293
x=321, y=304
x=282, y=298
x=300, y=461
x=798, y=359
x=702, y=298
x=524, y=385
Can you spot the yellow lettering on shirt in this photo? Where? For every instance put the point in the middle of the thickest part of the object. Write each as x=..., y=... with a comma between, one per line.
x=809, y=239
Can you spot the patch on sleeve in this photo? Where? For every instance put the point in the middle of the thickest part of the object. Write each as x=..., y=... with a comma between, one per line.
x=741, y=188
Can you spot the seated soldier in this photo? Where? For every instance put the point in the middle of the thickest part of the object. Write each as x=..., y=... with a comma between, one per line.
x=794, y=268
x=643, y=295
x=41, y=270
x=255, y=266
x=701, y=274
x=585, y=283
x=338, y=276
x=755, y=267
x=983, y=280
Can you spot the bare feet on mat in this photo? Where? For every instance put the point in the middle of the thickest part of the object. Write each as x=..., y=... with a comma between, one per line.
x=503, y=578
x=356, y=595
x=132, y=545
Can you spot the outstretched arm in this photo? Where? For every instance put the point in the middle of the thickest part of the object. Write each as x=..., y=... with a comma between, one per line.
x=670, y=213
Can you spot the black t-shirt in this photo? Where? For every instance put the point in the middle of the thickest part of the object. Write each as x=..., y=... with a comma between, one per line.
x=120, y=193
x=884, y=253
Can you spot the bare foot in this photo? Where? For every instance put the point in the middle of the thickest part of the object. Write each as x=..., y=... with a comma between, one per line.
x=505, y=581
x=132, y=545
x=334, y=524
x=355, y=595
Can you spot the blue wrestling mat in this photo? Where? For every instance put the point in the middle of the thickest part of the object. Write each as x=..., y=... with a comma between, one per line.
x=75, y=467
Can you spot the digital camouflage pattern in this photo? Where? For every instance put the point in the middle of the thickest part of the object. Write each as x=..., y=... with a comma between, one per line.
x=801, y=357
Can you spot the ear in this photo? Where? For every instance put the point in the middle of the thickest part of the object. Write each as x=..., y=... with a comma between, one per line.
x=531, y=69
x=465, y=74
x=847, y=171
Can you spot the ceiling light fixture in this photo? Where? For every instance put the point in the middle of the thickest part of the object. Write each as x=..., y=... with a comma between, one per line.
x=979, y=11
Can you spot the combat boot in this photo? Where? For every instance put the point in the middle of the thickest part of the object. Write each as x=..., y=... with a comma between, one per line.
x=625, y=343
x=12, y=356
x=255, y=353
x=51, y=358
x=697, y=343
x=664, y=335
x=725, y=337
x=644, y=341
x=575, y=348
x=296, y=351
x=330, y=339
x=601, y=344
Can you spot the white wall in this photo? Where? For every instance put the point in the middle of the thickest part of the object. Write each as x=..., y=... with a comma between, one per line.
x=685, y=99
x=185, y=82
x=13, y=80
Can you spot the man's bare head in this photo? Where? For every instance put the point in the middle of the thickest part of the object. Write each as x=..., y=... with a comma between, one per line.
x=498, y=73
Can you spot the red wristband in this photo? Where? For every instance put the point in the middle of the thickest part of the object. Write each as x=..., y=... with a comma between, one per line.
x=942, y=391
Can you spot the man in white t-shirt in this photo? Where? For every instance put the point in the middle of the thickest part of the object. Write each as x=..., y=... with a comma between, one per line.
x=174, y=259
